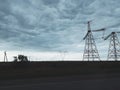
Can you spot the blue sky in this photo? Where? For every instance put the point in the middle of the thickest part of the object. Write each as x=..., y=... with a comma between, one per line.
x=55, y=26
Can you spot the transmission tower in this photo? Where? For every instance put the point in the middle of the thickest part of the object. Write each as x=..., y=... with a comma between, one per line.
x=90, y=50
x=114, y=47
x=5, y=57
x=62, y=55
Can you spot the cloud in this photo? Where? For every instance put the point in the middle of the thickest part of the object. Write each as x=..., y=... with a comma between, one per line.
x=54, y=25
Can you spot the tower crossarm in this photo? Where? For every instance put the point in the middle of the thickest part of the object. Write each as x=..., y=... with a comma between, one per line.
x=117, y=32
x=107, y=36
x=86, y=36
x=102, y=29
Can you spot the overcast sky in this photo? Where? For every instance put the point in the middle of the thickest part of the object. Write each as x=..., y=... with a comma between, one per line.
x=55, y=26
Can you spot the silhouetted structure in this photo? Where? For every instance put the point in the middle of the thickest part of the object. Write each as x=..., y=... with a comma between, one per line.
x=90, y=50
x=15, y=58
x=5, y=57
x=21, y=58
x=114, y=47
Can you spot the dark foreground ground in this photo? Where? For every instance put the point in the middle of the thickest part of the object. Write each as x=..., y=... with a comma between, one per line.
x=100, y=82
x=60, y=76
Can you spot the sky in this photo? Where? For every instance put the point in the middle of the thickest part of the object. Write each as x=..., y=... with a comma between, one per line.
x=54, y=29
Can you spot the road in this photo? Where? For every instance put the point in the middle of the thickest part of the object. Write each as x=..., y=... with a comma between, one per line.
x=63, y=83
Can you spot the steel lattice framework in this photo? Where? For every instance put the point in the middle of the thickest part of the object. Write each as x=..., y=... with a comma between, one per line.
x=114, y=47
x=90, y=50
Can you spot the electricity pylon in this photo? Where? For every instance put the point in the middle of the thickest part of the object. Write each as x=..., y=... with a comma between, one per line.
x=90, y=50
x=114, y=47
x=5, y=57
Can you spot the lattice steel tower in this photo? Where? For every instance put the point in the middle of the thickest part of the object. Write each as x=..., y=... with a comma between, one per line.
x=5, y=57
x=114, y=47
x=90, y=50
